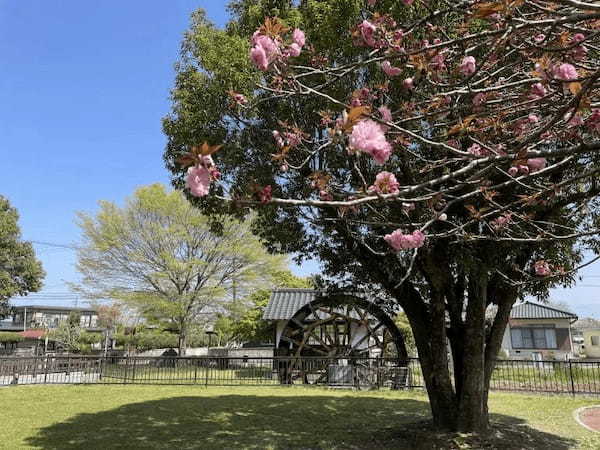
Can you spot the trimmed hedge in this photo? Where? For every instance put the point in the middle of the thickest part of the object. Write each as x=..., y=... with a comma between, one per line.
x=9, y=337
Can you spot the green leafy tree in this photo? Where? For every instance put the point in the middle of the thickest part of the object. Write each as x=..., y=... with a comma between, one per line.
x=164, y=258
x=20, y=271
x=403, y=325
x=442, y=156
x=68, y=333
x=248, y=326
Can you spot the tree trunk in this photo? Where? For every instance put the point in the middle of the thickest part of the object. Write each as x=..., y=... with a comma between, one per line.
x=472, y=413
x=182, y=343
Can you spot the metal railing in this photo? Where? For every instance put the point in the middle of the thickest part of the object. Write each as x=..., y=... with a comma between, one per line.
x=572, y=377
x=210, y=371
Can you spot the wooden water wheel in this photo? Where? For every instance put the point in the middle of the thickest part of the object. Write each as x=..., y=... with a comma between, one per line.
x=338, y=329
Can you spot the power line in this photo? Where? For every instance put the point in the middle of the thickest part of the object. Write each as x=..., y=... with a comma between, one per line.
x=56, y=245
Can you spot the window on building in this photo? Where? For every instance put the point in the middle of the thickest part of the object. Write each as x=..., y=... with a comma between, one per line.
x=533, y=337
x=595, y=340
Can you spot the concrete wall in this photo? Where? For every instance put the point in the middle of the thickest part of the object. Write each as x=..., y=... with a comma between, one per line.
x=563, y=340
x=590, y=350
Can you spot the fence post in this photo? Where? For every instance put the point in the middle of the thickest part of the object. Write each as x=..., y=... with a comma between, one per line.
x=126, y=369
x=571, y=375
x=207, y=364
x=101, y=368
x=46, y=369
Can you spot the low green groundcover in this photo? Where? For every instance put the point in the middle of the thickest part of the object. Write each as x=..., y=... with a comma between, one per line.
x=186, y=417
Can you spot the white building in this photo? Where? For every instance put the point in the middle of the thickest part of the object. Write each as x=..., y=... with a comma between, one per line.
x=538, y=332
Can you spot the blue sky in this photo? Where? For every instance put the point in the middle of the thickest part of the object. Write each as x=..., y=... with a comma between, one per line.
x=83, y=87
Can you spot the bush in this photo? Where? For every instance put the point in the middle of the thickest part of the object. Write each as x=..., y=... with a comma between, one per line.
x=11, y=338
x=253, y=372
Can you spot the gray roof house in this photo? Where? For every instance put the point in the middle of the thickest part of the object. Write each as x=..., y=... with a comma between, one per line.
x=538, y=332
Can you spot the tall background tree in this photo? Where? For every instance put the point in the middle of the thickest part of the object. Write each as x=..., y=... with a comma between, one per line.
x=163, y=257
x=442, y=156
x=242, y=322
x=20, y=271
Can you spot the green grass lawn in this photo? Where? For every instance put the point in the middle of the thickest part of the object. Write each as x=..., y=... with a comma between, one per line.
x=184, y=417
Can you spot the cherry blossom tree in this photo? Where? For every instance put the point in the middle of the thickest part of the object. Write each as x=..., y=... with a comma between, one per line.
x=445, y=156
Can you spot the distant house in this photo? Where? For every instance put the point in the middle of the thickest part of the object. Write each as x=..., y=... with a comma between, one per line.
x=538, y=332
x=33, y=321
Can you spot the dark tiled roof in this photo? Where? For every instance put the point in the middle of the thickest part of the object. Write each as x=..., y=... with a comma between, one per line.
x=530, y=310
x=285, y=302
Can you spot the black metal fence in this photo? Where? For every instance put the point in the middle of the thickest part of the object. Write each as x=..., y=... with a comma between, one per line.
x=210, y=371
x=573, y=377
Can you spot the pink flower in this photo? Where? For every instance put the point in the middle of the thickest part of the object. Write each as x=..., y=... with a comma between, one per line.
x=369, y=137
x=385, y=112
x=294, y=50
x=240, y=99
x=593, y=121
x=259, y=57
x=400, y=241
x=477, y=150
x=385, y=183
x=541, y=268
x=536, y=164
x=438, y=62
x=579, y=52
x=390, y=70
x=408, y=2
x=408, y=84
x=278, y=139
x=539, y=37
x=325, y=196
x=298, y=37
x=479, y=99
x=575, y=121
x=538, y=90
x=367, y=31
x=468, y=66
x=264, y=50
x=500, y=222
x=268, y=44
x=565, y=72
x=265, y=194
x=197, y=180
x=577, y=38
x=513, y=171
x=293, y=139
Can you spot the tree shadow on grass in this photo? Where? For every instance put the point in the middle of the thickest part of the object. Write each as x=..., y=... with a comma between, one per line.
x=278, y=422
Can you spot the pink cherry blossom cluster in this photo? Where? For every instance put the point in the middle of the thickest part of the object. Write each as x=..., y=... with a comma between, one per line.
x=390, y=71
x=501, y=222
x=369, y=137
x=565, y=72
x=579, y=52
x=288, y=138
x=239, y=99
x=265, y=194
x=400, y=241
x=538, y=90
x=385, y=183
x=265, y=50
x=533, y=165
x=380, y=32
x=542, y=268
x=593, y=121
x=468, y=66
x=199, y=177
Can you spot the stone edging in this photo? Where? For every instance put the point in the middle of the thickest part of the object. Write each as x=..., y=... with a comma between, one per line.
x=580, y=422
